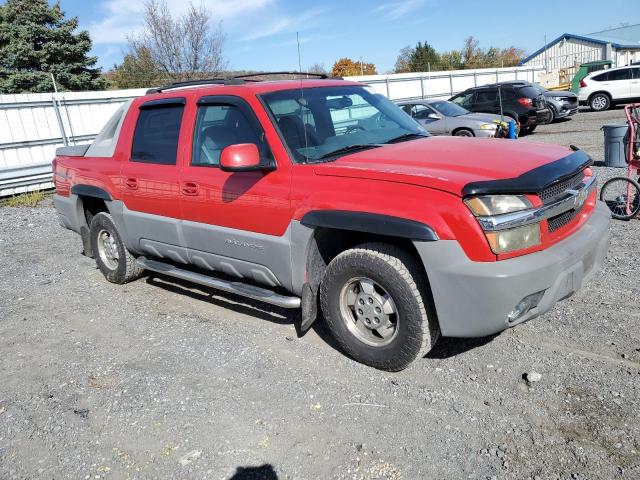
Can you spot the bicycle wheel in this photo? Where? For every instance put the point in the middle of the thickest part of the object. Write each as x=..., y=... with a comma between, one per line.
x=622, y=196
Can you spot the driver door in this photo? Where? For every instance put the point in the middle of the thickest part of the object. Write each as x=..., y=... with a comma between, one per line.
x=435, y=123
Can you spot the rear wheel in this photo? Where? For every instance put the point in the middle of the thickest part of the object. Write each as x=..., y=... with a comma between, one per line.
x=622, y=196
x=376, y=303
x=528, y=130
x=600, y=102
x=112, y=257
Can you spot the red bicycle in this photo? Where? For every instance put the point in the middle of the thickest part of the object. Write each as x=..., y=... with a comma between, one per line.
x=622, y=194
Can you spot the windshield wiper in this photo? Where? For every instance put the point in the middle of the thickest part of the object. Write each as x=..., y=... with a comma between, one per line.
x=348, y=148
x=406, y=136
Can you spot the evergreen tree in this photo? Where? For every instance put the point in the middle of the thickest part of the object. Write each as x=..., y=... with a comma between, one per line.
x=424, y=58
x=35, y=41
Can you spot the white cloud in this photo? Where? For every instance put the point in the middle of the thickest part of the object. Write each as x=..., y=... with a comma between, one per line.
x=285, y=23
x=122, y=18
x=395, y=10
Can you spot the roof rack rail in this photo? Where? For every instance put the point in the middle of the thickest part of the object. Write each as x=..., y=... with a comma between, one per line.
x=204, y=81
x=308, y=74
x=237, y=80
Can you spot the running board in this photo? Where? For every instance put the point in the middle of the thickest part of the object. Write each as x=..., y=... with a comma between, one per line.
x=238, y=288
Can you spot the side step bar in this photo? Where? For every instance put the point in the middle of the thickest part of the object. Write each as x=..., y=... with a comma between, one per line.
x=238, y=288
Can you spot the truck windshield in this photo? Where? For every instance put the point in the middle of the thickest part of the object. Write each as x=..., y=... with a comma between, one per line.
x=322, y=123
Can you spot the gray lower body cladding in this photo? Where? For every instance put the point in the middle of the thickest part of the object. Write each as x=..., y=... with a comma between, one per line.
x=474, y=299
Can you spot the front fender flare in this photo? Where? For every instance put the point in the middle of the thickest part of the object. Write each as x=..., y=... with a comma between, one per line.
x=370, y=223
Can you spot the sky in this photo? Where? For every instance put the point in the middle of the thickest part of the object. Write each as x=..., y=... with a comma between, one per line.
x=261, y=34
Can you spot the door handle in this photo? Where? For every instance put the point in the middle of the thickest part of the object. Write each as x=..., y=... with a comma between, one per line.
x=131, y=183
x=190, y=188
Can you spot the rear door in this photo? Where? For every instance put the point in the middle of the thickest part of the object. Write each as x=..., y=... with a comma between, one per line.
x=619, y=83
x=486, y=101
x=150, y=179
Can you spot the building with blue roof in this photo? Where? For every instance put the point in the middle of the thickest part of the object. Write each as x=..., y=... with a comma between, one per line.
x=621, y=45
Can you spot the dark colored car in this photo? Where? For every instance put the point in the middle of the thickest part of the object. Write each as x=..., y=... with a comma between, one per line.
x=525, y=104
x=561, y=103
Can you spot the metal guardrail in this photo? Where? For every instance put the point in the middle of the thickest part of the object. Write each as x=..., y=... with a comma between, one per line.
x=19, y=178
x=444, y=74
x=25, y=176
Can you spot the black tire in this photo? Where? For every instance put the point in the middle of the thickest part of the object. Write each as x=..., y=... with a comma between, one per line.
x=614, y=194
x=122, y=270
x=463, y=132
x=600, y=102
x=528, y=130
x=398, y=273
x=553, y=114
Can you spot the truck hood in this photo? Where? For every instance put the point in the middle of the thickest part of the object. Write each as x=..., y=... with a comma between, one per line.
x=445, y=163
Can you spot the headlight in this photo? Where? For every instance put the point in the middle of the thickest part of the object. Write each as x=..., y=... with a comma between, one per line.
x=497, y=204
x=487, y=126
x=519, y=238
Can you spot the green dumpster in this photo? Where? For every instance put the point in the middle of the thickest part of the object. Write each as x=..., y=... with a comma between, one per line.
x=585, y=69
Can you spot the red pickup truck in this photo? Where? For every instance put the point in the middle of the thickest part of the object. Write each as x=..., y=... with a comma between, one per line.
x=321, y=195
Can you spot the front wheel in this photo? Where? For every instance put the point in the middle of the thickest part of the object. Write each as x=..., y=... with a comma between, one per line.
x=622, y=196
x=463, y=132
x=376, y=302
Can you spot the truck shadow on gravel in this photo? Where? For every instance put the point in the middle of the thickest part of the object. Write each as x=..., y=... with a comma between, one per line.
x=446, y=347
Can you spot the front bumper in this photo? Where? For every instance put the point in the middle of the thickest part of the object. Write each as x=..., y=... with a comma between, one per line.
x=474, y=299
x=543, y=116
x=566, y=112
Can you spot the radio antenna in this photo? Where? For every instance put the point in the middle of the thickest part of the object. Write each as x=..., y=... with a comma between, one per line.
x=302, y=102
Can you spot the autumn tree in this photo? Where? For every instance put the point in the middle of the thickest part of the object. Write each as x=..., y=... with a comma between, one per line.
x=345, y=67
x=185, y=47
x=36, y=40
x=137, y=70
x=403, y=61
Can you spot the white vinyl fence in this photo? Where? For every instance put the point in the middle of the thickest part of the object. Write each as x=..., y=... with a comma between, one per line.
x=410, y=86
x=33, y=125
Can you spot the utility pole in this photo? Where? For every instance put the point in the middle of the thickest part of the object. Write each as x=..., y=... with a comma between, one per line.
x=546, y=62
x=361, y=66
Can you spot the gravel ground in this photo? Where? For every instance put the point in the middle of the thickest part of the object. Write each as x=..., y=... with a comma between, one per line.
x=158, y=379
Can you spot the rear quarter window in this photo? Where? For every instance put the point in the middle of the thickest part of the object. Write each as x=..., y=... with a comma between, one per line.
x=603, y=77
x=529, y=92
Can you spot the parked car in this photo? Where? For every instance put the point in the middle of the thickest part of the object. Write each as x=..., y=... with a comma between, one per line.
x=522, y=103
x=286, y=192
x=441, y=117
x=561, y=103
x=604, y=88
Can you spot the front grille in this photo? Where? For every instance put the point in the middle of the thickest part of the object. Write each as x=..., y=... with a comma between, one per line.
x=557, y=189
x=561, y=220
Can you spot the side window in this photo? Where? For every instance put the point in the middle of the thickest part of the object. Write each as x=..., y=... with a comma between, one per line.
x=636, y=73
x=624, y=74
x=603, y=77
x=156, y=136
x=420, y=112
x=221, y=125
x=487, y=96
x=464, y=99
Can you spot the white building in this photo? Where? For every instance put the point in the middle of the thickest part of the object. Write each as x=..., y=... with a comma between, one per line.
x=620, y=45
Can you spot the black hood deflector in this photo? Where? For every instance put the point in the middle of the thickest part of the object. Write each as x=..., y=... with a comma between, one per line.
x=533, y=181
